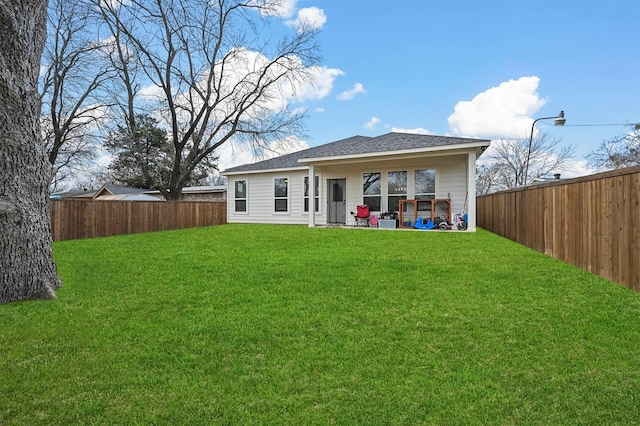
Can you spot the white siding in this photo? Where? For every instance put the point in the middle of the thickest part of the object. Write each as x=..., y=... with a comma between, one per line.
x=260, y=199
x=451, y=179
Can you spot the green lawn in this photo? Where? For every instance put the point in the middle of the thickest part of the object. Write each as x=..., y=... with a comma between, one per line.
x=253, y=324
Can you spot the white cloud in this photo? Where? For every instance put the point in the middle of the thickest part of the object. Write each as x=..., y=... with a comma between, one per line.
x=372, y=123
x=279, y=8
x=577, y=168
x=319, y=109
x=113, y=4
x=104, y=159
x=351, y=93
x=234, y=153
x=283, y=146
x=286, y=7
x=241, y=70
x=320, y=86
x=502, y=111
x=417, y=130
x=152, y=92
x=309, y=17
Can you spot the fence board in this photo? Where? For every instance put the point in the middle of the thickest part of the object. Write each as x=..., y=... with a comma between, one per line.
x=75, y=219
x=592, y=222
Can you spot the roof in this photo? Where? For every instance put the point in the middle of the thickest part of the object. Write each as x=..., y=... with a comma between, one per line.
x=390, y=142
x=121, y=190
x=83, y=193
x=128, y=197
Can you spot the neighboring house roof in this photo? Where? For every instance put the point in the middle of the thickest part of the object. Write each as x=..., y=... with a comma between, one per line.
x=544, y=179
x=112, y=191
x=84, y=193
x=128, y=197
x=359, y=145
x=107, y=192
x=119, y=190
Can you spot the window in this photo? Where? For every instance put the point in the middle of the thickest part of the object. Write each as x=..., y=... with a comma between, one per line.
x=316, y=197
x=396, y=189
x=425, y=184
x=371, y=186
x=240, y=196
x=281, y=194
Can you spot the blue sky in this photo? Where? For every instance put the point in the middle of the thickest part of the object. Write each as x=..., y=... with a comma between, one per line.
x=475, y=68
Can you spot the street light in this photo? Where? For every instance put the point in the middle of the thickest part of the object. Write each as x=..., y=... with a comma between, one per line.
x=558, y=121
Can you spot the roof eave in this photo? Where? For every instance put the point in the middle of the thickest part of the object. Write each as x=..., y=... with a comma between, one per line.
x=436, y=150
x=250, y=172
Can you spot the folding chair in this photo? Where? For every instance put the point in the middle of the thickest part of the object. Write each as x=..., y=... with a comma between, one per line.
x=362, y=215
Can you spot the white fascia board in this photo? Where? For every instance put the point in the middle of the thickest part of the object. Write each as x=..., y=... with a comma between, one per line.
x=261, y=171
x=437, y=150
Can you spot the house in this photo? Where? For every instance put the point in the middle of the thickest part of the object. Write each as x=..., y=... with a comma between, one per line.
x=82, y=194
x=377, y=171
x=123, y=193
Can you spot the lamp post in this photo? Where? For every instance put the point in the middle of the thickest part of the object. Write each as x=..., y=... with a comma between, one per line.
x=558, y=121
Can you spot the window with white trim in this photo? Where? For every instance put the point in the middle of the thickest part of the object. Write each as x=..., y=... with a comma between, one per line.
x=424, y=186
x=281, y=194
x=316, y=197
x=396, y=189
x=240, y=195
x=371, y=190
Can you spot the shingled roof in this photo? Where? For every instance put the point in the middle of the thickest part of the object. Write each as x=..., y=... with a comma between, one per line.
x=356, y=145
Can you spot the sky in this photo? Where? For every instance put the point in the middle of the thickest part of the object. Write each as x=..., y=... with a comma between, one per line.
x=476, y=68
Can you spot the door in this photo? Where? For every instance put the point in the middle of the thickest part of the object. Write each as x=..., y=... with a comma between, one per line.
x=336, y=202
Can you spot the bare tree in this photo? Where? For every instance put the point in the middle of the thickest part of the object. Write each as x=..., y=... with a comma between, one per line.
x=508, y=161
x=617, y=153
x=488, y=178
x=212, y=72
x=27, y=269
x=73, y=101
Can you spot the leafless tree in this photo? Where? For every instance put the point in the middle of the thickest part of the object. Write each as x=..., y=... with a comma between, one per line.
x=73, y=101
x=27, y=269
x=215, y=179
x=617, y=153
x=210, y=70
x=488, y=178
x=508, y=161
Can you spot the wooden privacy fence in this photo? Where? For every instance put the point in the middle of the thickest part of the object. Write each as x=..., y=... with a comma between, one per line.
x=592, y=222
x=74, y=219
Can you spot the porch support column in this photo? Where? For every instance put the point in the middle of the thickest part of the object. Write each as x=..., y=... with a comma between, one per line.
x=312, y=196
x=471, y=191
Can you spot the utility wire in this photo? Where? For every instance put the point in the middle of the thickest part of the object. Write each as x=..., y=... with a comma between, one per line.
x=598, y=125
x=636, y=125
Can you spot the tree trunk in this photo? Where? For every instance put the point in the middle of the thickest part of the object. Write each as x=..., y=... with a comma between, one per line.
x=27, y=270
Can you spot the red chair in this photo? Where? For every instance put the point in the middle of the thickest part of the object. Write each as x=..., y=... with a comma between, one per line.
x=362, y=215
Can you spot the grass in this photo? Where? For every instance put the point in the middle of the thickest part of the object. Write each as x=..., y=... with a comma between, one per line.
x=252, y=324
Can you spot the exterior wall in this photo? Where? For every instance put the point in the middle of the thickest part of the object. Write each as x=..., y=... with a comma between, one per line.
x=451, y=182
x=260, y=199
